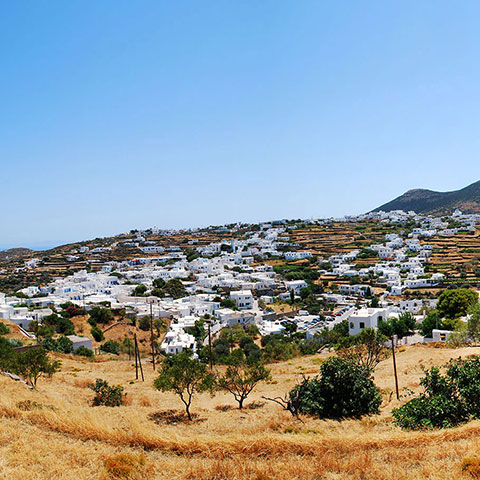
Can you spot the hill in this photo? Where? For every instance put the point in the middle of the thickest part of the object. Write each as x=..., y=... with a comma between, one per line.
x=430, y=202
x=15, y=254
x=53, y=432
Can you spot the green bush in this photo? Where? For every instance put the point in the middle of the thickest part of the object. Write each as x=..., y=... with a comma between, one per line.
x=466, y=376
x=7, y=354
x=97, y=334
x=101, y=315
x=447, y=400
x=110, y=346
x=4, y=330
x=439, y=406
x=33, y=363
x=144, y=324
x=84, y=352
x=343, y=389
x=106, y=395
x=62, y=344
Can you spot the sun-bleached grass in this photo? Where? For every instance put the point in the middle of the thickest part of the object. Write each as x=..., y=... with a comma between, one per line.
x=62, y=436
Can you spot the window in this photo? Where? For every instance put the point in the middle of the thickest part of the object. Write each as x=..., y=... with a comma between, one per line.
x=362, y=324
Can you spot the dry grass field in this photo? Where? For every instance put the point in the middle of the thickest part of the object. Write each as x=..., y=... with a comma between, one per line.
x=54, y=433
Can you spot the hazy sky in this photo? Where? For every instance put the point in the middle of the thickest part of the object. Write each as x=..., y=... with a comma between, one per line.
x=129, y=114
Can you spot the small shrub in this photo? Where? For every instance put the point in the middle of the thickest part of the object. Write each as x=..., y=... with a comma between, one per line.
x=144, y=324
x=126, y=466
x=110, y=346
x=97, y=334
x=28, y=405
x=107, y=395
x=4, y=330
x=64, y=345
x=84, y=352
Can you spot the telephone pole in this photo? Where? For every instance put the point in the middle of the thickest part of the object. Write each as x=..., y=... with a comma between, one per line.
x=210, y=346
x=137, y=358
x=151, y=335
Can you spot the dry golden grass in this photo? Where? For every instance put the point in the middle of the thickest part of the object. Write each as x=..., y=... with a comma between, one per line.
x=54, y=433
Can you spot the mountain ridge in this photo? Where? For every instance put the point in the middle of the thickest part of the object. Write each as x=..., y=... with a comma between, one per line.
x=427, y=201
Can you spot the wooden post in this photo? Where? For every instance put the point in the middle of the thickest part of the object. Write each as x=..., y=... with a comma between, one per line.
x=138, y=355
x=135, y=350
x=210, y=346
x=151, y=337
x=395, y=369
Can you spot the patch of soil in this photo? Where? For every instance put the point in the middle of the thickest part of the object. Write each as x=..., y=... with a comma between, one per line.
x=172, y=417
x=224, y=408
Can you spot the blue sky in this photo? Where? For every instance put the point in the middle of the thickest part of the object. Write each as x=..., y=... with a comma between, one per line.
x=118, y=114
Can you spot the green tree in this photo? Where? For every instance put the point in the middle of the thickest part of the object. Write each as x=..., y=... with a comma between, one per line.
x=97, y=334
x=65, y=326
x=110, y=346
x=367, y=348
x=159, y=325
x=431, y=321
x=241, y=380
x=455, y=303
x=139, y=290
x=185, y=376
x=101, y=315
x=175, y=288
x=305, y=293
x=344, y=389
x=7, y=355
x=228, y=303
x=144, y=323
x=4, y=330
x=159, y=283
x=221, y=348
x=127, y=346
x=473, y=323
x=64, y=345
x=33, y=363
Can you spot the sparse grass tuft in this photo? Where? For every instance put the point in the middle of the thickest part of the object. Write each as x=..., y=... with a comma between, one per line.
x=471, y=467
x=126, y=466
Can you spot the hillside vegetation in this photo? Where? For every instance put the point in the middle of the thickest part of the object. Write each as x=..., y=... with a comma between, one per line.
x=54, y=432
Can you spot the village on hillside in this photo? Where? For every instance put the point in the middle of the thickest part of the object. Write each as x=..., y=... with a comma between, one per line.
x=269, y=277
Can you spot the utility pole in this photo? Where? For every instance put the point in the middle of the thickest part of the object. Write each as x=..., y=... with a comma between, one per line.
x=135, y=350
x=137, y=358
x=395, y=369
x=210, y=346
x=151, y=336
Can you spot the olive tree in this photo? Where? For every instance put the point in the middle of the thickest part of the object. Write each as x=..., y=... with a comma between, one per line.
x=185, y=376
x=33, y=363
x=240, y=380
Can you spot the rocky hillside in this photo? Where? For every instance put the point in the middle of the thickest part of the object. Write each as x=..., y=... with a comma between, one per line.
x=430, y=202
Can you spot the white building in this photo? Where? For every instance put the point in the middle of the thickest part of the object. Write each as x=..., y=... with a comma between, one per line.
x=367, y=318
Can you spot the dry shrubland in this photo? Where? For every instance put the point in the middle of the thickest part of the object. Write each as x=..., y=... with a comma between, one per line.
x=54, y=433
